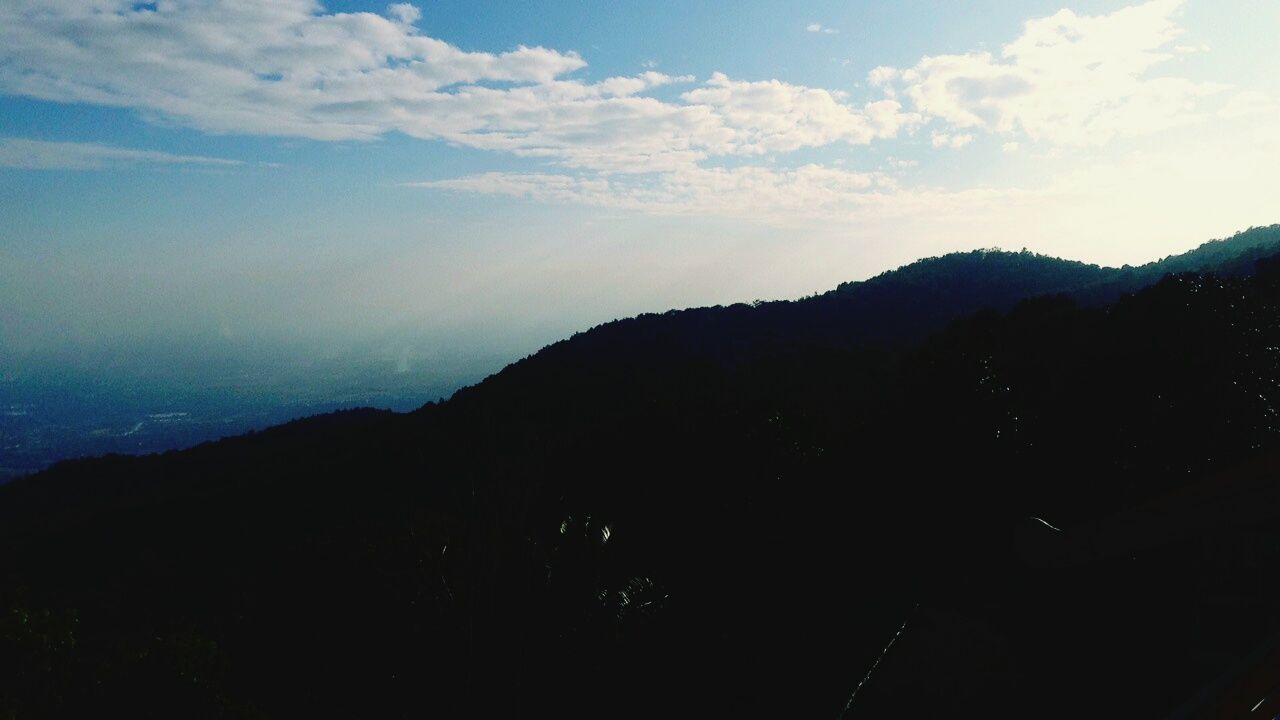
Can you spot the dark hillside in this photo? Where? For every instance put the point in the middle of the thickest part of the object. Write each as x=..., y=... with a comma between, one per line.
x=712, y=512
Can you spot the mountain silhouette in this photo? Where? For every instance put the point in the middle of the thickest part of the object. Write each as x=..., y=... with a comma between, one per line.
x=992, y=484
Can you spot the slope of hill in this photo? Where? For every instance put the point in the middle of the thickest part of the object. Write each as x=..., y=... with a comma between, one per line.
x=723, y=511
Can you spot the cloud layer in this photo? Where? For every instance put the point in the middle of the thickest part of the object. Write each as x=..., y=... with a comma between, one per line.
x=1068, y=81
x=290, y=68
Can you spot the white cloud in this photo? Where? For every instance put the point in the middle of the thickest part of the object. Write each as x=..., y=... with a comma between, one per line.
x=883, y=75
x=1250, y=102
x=42, y=155
x=940, y=139
x=405, y=13
x=289, y=68
x=244, y=66
x=773, y=116
x=819, y=28
x=1068, y=79
x=1010, y=147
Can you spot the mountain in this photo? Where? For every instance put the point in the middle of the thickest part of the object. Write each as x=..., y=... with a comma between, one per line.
x=1045, y=485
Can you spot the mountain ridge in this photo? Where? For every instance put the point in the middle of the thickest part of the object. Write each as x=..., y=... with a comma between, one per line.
x=720, y=511
x=852, y=317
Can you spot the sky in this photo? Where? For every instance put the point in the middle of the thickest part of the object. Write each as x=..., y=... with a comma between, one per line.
x=446, y=186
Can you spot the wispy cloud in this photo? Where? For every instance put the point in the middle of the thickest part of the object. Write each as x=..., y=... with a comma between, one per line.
x=1135, y=194
x=819, y=28
x=812, y=192
x=42, y=155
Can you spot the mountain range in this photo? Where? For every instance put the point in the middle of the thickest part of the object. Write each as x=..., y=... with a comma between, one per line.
x=992, y=483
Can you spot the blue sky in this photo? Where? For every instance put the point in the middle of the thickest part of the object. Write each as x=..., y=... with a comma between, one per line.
x=476, y=179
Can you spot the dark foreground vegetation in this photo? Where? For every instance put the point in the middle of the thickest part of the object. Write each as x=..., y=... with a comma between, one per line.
x=1050, y=489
